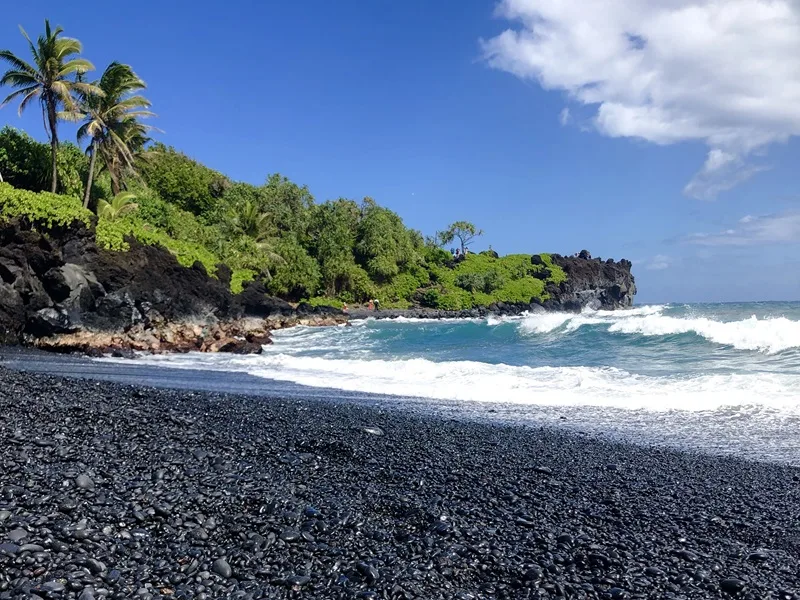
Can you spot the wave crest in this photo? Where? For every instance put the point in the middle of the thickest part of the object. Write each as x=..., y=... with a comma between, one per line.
x=768, y=335
x=507, y=384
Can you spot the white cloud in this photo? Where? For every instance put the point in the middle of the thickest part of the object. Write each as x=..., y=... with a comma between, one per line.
x=767, y=229
x=658, y=263
x=722, y=72
x=565, y=117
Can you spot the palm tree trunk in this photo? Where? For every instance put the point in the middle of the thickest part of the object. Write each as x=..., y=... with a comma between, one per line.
x=88, y=192
x=52, y=119
x=115, y=185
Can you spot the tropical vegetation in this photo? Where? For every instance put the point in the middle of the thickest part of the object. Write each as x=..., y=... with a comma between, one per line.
x=126, y=186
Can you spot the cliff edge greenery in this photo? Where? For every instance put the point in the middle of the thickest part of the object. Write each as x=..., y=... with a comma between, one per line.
x=126, y=186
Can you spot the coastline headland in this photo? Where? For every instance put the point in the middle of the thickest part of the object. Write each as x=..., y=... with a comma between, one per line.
x=61, y=292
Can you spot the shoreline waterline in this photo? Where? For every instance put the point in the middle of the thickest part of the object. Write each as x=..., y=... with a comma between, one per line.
x=749, y=432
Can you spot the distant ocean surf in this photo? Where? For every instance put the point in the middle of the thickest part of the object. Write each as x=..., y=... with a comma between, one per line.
x=719, y=377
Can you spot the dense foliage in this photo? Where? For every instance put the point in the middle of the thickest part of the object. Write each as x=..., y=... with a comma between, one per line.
x=25, y=163
x=324, y=253
x=182, y=181
x=43, y=210
x=331, y=252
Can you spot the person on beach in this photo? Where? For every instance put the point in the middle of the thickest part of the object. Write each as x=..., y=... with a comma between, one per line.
x=344, y=307
x=377, y=304
x=370, y=305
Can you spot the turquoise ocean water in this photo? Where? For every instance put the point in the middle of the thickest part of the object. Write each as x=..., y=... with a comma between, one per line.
x=721, y=377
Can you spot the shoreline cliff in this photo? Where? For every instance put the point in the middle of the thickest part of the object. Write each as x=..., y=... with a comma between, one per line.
x=61, y=292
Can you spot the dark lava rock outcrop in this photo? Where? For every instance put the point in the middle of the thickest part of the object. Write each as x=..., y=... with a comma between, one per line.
x=591, y=283
x=61, y=292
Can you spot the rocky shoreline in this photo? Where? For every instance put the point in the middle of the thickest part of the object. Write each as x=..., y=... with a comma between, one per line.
x=60, y=292
x=113, y=491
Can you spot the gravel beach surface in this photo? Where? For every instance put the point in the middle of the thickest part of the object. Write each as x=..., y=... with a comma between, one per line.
x=114, y=491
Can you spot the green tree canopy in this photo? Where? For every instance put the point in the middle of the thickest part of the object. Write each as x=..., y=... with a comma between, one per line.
x=464, y=231
x=183, y=181
x=298, y=276
x=384, y=245
x=333, y=227
x=25, y=163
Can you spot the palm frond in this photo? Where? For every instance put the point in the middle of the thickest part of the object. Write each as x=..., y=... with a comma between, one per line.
x=17, y=93
x=18, y=79
x=73, y=116
x=121, y=204
x=84, y=131
x=34, y=51
x=76, y=65
x=87, y=89
x=16, y=62
x=64, y=46
x=33, y=92
x=134, y=102
x=61, y=90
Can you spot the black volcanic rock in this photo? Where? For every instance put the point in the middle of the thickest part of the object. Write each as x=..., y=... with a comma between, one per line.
x=63, y=283
x=115, y=491
x=591, y=283
x=255, y=301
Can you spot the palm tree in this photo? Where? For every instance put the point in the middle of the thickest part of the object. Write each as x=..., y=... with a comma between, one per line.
x=247, y=219
x=122, y=203
x=47, y=79
x=133, y=137
x=110, y=122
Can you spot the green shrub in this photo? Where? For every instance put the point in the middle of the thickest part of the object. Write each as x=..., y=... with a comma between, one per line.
x=492, y=281
x=42, y=209
x=73, y=167
x=112, y=234
x=455, y=300
x=239, y=277
x=520, y=291
x=323, y=301
x=182, y=181
x=400, y=290
x=557, y=274
x=360, y=287
x=471, y=282
x=26, y=164
x=297, y=276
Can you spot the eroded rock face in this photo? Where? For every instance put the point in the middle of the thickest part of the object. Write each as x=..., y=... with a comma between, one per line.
x=591, y=283
x=63, y=293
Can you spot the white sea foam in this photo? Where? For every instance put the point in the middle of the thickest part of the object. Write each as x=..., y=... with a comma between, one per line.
x=488, y=383
x=766, y=335
x=769, y=335
x=545, y=322
x=548, y=322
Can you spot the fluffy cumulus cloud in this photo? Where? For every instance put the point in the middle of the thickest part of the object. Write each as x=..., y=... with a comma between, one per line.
x=724, y=72
x=750, y=231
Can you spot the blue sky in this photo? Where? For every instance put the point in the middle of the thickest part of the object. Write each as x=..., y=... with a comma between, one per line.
x=430, y=108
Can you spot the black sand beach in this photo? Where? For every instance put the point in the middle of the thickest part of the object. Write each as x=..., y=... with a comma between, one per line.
x=115, y=491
